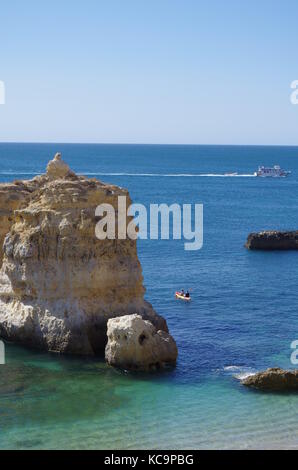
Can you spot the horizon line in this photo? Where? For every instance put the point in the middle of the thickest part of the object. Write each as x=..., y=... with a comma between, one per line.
x=145, y=143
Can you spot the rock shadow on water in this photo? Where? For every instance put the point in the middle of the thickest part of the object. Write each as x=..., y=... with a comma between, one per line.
x=80, y=389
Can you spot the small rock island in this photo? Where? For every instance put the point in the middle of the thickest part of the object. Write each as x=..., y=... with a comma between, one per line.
x=136, y=344
x=273, y=240
x=59, y=284
x=274, y=379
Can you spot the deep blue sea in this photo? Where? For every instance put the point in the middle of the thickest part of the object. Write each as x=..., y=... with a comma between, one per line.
x=243, y=317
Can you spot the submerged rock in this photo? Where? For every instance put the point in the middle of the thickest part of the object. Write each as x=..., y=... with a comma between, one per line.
x=275, y=379
x=136, y=344
x=59, y=284
x=273, y=240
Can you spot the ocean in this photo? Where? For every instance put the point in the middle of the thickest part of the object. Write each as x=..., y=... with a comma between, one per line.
x=243, y=317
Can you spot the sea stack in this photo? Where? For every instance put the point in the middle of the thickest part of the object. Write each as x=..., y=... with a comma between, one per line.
x=136, y=344
x=60, y=284
x=273, y=240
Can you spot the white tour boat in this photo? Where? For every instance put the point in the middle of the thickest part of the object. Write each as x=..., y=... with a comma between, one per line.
x=275, y=172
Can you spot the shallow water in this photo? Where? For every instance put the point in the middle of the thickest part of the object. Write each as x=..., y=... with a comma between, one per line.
x=243, y=317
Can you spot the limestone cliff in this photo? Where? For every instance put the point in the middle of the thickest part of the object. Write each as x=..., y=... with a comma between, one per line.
x=59, y=284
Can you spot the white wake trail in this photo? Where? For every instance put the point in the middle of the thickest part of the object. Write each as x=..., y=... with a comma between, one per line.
x=140, y=175
x=174, y=175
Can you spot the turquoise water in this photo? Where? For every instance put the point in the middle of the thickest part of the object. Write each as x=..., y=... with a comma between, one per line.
x=243, y=317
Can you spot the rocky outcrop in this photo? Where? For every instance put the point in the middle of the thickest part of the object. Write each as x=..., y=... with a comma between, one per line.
x=273, y=240
x=273, y=380
x=136, y=344
x=60, y=284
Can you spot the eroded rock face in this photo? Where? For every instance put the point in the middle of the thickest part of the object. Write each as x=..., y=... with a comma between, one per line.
x=59, y=284
x=14, y=196
x=273, y=240
x=136, y=344
x=274, y=380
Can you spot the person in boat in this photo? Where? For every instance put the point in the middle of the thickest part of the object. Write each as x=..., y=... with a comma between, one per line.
x=187, y=295
x=182, y=293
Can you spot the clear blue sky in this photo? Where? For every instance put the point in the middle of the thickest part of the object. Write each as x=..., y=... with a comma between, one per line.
x=154, y=71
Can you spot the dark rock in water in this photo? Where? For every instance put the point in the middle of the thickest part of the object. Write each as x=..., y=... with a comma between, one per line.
x=275, y=379
x=273, y=240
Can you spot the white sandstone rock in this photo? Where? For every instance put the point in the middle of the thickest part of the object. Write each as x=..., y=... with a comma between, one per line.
x=59, y=284
x=57, y=168
x=136, y=344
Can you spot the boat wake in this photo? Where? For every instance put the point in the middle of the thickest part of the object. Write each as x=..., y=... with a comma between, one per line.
x=144, y=175
x=175, y=175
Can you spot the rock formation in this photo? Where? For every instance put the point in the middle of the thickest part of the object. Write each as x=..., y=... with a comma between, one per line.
x=135, y=344
x=57, y=168
x=273, y=380
x=273, y=241
x=59, y=284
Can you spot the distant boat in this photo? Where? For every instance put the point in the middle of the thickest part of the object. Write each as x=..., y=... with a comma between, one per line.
x=275, y=172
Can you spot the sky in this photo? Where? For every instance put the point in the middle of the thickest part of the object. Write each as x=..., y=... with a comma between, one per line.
x=149, y=71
